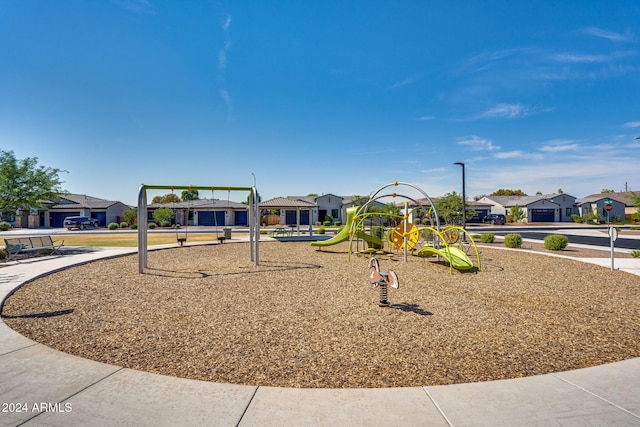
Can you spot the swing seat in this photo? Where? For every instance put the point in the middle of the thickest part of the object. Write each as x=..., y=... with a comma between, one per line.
x=181, y=240
x=221, y=239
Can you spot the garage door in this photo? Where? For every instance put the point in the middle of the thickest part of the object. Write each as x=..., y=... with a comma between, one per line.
x=290, y=217
x=241, y=218
x=542, y=215
x=215, y=218
x=304, y=217
x=56, y=219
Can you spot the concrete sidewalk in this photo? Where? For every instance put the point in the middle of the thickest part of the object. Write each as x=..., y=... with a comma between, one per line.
x=42, y=386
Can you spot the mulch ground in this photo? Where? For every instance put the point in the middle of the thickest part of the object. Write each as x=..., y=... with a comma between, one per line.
x=307, y=318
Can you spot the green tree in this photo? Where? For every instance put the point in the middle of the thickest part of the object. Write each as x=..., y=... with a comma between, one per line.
x=166, y=198
x=131, y=216
x=606, y=191
x=24, y=184
x=450, y=208
x=635, y=198
x=163, y=215
x=188, y=195
x=507, y=192
x=516, y=213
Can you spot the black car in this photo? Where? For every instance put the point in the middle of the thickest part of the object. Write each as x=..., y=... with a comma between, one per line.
x=495, y=219
x=79, y=222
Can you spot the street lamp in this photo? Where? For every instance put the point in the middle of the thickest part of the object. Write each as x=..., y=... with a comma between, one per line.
x=464, y=198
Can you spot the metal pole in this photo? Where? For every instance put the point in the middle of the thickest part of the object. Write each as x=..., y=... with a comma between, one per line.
x=613, y=235
x=406, y=226
x=142, y=229
x=464, y=197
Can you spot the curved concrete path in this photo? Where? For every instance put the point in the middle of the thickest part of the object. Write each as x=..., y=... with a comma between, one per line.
x=42, y=386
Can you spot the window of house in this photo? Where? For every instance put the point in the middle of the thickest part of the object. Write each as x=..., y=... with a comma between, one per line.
x=568, y=211
x=335, y=213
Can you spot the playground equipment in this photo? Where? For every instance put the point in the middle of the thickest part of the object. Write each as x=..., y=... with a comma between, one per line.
x=447, y=244
x=383, y=281
x=404, y=233
x=254, y=218
x=406, y=236
x=344, y=233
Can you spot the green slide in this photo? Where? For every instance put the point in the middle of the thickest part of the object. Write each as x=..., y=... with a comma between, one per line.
x=458, y=259
x=344, y=233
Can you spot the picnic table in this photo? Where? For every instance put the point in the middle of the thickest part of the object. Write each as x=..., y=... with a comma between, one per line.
x=280, y=231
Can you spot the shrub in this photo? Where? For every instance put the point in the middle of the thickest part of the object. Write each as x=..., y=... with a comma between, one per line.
x=337, y=223
x=635, y=253
x=124, y=224
x=576, y=218
x=134, y=226
x=152, y=225
x=3, y=253
x=4, y=226
x=487, y=237
x=164, y=223
x=321, y=230
x=513, y=240
x=113, y=226
x=327, y=223
x=555, y=242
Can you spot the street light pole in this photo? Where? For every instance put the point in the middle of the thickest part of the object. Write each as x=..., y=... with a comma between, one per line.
x=464, y=197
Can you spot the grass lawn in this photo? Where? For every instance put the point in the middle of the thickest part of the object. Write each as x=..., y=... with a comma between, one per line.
x=128, y=240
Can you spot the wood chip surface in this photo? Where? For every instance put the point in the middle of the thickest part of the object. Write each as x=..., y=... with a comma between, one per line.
x=308, y=318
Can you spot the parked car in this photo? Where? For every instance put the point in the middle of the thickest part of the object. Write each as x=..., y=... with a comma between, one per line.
x=495, y=219
x=79, y=222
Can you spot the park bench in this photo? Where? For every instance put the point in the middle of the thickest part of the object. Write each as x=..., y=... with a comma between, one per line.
x=29, y=245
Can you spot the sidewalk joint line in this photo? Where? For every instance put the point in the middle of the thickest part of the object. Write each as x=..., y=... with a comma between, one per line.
x=247, y=407
x=595, y=395
x=437, y=406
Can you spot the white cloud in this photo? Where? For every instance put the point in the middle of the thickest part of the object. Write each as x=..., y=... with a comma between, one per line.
x=558, y=145
x=228, y=102
x=510, y=111
x=509, y=154
x=475, y=143
x=434, y=170
x=405, y=82
x=222, y=53
x=590, y=58
x=631, y=125
x=425, y=118
x=609, y=35
x=227, y=23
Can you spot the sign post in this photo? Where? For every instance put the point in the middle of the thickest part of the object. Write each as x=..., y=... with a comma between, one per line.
x=608, y=206
x=613, y=236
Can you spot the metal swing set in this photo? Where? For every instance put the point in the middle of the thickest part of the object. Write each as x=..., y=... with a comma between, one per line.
x=254, y=219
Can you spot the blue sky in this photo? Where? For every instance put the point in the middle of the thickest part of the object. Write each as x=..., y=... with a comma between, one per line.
x=324, y=96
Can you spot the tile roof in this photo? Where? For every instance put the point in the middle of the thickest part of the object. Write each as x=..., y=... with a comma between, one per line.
x=285, y=202
x=81, y=201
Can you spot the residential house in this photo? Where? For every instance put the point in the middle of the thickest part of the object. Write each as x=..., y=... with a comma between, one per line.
x=105, y=211
x=596, y=204
x=205, y=212
x=539, y=208
x=293, y=210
